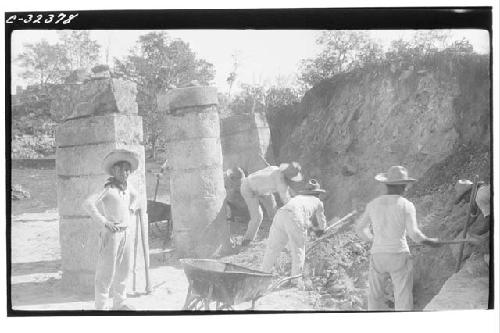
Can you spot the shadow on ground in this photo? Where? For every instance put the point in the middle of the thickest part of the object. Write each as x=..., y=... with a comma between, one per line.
x=46, y=266
x=48, y=291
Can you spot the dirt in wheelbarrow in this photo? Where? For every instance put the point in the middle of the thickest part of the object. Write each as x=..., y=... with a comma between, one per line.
x=332, y=274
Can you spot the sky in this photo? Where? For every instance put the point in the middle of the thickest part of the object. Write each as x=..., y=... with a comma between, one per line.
x=264, y=55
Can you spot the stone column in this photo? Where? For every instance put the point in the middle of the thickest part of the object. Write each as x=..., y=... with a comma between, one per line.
x=104, y=118
x=194, y=154
x=246, y=142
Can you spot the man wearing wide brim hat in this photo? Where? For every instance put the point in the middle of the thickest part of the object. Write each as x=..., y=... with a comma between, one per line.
x=391, y=217
x=118, y=201
x=262, y=183
x=290, y=225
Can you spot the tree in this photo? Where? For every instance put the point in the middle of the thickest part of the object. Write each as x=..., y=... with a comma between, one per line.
x=81, y=51
x=156, y=63
x=233, y=74
x=422, y=43
x=341, y=52
x=43, y=63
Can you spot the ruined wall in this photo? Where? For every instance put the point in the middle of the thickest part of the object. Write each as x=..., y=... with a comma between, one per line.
x=246, y=142
x=102, y=116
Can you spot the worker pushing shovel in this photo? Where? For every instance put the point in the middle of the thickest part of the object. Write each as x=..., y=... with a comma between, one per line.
x=114, y=209
x=290, y=226
x=391, y=216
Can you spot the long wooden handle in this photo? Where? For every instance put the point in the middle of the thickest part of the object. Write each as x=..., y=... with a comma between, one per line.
x=145, y=250
x=136, y=243
x=449, y=242
x=157, y=185
x=336, y=224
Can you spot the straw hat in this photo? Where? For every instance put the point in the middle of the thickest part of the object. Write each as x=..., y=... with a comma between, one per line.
x=312, y=187
x=291, y=171
x=395, y=175
x=120, y=155
x=462, y=186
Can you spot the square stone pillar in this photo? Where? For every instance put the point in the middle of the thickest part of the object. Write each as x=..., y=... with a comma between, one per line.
x=82, y=141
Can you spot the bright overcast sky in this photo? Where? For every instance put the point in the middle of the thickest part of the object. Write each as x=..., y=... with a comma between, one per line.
x=264, y=55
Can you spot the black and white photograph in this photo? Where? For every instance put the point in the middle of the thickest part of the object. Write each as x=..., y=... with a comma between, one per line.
x=298, y=167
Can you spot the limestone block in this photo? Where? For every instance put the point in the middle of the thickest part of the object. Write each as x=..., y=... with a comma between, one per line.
x=187, y=186
x=99, y=97
x=87, y=160
x=188, y=97
x=100, y=129
x=81, y=282
x=93, y=97
x=199, y=231
x=192, y=125
x=79, y=239
x=195, y=154
x=73, y=191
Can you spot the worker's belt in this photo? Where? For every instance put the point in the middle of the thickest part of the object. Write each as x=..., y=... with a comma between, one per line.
x=122, y=227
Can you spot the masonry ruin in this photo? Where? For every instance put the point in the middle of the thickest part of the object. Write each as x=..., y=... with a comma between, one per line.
x=102, y=117
x=194, y=154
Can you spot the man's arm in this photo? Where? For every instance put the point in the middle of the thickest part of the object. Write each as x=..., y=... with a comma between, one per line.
x=282, y=187
x=412, y=228
x=90, y=206
x=363, y=227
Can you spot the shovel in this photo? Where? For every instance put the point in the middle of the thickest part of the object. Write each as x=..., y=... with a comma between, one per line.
x=449, y=242
x=327, y=230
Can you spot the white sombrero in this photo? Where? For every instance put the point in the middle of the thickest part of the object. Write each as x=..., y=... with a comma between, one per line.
x=120, y=155
x=395, y=175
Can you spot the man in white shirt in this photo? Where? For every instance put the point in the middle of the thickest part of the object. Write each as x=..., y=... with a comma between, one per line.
x=112, y=209
x=290, y=226
x=391, y=217
x=262, y=183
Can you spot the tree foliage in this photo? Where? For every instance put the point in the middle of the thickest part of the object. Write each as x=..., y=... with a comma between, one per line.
x=43, y=63
x=156, y=63
x=81, y=50
x=341, y=51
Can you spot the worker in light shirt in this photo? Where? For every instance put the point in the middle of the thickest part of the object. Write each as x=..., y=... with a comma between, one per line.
x=290, y=226
x=113, y=209
x=265, y=182
x=391, y=217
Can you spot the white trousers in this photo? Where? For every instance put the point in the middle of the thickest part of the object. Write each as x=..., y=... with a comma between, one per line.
x=113, y=268
x=400, y=268
x=286, y=228
x=253, y=202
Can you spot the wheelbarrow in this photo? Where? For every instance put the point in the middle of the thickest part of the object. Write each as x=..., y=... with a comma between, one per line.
x=225, y=284
x=160, y=213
